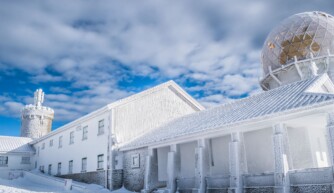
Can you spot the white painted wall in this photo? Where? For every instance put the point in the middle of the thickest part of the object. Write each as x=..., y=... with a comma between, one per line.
x=187, y=157
x=219, y=165
x=93, y=146
x=319, y=146
x=145, y=113
x=162, y=163
x=259, y=151
x=14, y=162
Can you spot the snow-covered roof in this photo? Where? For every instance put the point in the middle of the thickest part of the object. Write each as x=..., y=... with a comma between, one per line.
x=284, y=98
x=9, y=144
x=169, y=84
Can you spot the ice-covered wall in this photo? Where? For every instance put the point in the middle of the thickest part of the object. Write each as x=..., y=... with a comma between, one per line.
x=36, y=120
x=148, y=112
x=15, y=163
x=133, y=175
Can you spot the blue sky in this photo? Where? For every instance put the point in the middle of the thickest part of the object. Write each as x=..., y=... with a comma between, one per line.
x=86, y=54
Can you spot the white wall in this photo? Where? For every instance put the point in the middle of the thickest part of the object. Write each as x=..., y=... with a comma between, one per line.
x=219, y=165
x=187, y=155
x=259, y=151
x=90, y=148
x=162, y=163
x=14, y=162
x=145, y=113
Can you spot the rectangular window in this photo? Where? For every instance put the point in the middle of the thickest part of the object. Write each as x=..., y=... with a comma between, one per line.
x=3, y=161
x=37, y=151
x=101, y=127
x=41, y=168
x=50, y=169
x=60, y=144
x=25, y=160
x=70, y=167
x=59, y=169
x=100, y=162
x=72, y=137
x=84, y=165
x=85, y=133
x=51, y=143
x=135, y=161
x=43, y=145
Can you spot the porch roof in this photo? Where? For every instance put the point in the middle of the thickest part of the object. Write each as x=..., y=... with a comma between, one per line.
x=9, y=144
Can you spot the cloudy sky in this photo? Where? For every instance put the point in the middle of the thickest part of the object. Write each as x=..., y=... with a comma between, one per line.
x=86, y=54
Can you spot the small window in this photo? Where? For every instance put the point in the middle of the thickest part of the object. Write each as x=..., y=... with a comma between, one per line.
x=25, y=160
x=85, y=133
x=3, y=161
x=70, y=167
x=38, y=151
x=51, y=143
x=60, y=144
x=84, y=164
x=135, y=161
x=43, y=145
x=101, y=127
x=72, y=137
x=59, y=169
x=100, y=162
x=50, y=169
x=41, y=168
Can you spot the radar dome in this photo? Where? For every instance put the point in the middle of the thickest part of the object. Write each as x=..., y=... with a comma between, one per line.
x=299, y=37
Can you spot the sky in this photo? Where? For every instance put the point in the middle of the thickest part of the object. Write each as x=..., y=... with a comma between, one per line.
x=86, y=54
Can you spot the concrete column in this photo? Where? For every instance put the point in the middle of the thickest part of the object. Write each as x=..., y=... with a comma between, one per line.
x=236, y=184
x=281, y=177
x=330, y=136
x=148, y=172
x=202, y=165
x=172, y=166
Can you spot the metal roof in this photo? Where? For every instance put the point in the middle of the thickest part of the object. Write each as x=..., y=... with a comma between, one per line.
x=9, y=144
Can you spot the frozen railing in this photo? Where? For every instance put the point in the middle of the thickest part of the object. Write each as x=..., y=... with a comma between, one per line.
x=263, y=182
x=217, y=183
x=186, y=184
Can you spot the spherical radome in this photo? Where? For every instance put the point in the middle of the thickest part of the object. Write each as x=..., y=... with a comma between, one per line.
x=299, y=36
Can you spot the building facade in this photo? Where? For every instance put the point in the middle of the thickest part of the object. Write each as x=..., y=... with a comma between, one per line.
x=162, y=140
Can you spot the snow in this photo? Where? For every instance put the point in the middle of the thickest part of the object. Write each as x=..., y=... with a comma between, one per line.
x=23, y=185
x=15, y=144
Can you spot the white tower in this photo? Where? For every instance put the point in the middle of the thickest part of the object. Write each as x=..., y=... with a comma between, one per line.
x=36, y=120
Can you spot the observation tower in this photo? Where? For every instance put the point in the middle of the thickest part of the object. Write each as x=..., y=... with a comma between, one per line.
x=36, y=120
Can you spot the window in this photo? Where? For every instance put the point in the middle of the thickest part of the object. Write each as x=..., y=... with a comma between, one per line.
x=84, y=165
x=3, y=161
x=51, y=143
x=41, y=168
x=60, y=144
x=50, y=169
x=100, y=162
x=43, y=145
x=84, y=133
x=101, y=127
x=25, y=160
x=72, y=137
x=135, y=161
x=37, y=151
x=59, y=169
x=70, y=167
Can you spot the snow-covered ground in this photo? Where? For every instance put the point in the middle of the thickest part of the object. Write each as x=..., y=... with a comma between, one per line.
x=23, y=185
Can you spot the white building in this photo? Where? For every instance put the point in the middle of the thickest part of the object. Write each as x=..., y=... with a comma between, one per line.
x=279, y=140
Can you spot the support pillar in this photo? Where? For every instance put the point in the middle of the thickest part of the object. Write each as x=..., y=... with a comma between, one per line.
x=201, y=165
x=236, y=184
x=172, y=166
x=281, y=176
x=148, y=172
x=330, y=136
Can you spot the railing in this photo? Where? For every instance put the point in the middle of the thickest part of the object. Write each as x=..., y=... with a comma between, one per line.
x=186, y=184
x=217, y=184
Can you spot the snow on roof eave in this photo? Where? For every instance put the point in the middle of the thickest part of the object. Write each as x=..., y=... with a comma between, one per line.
x=120, y=102
x=264, y=118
